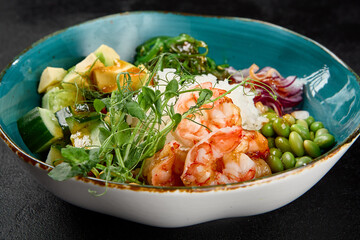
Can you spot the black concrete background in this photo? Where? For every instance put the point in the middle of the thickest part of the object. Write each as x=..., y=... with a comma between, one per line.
x=330, y=210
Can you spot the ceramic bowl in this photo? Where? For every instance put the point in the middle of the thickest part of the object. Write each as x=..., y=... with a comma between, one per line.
x=332, y=96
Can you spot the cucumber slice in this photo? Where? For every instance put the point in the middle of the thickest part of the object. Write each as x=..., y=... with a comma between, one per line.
x=86, y=134
x=58, y=98
x=54, y=155
x=61, y=116
x=39, y=129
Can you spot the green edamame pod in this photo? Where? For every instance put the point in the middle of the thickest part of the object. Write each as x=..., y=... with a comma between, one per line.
x=283, y=144
x=296, y=144
x=281, y=128
x=325, y=140
x=288, y=160
x=275, y=164
x=312, y=149
x=302, y=161
x=300, y=129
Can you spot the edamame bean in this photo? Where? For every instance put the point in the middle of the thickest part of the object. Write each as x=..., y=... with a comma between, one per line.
x=276, y=152
x=281, y=128
x=275, y=164
x=312, y=135
x=289, y=119
x=296, y=144
x=310, y=120
x=316, y=126
x=271, y=116
x=271, y=142
x=300, y=129
x=288, y=160
x=312, y=149
x=303, y=161
x=283, y=144
x=302, y=122
x=321, y=131
x=325, y=140
x=267, y=130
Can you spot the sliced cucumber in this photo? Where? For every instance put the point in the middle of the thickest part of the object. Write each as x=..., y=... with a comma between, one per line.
x=75, y=123
x=85, y=134
x=54, y=155
x=58, y=98
x=39, y=128
x=61, y=116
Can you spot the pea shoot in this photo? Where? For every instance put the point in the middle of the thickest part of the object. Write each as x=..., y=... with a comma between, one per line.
x=124, y=144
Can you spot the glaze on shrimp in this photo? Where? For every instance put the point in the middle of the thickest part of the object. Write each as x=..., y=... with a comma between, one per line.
x=166, y=166
x=225, y=156
x=205, y=163
x=213, y=116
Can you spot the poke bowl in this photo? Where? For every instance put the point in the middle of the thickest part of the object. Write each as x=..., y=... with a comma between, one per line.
x=331, y=94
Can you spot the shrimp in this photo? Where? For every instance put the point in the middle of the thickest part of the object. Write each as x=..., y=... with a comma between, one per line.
x=205, y=163
x=213, y=116
x=225, y=156
x=166, y=166
x=253, y=144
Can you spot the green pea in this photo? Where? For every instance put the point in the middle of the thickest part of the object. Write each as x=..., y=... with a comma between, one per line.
x=316, y=126
x=302, y=122
x=303, y=161
x=276, y=152
x=283, y=144
x=325, y=140
x=310, y=120
x=281, y=128
x=271, y=142
x=312, y=149
x=300, y=129
x=321, y=131
x=267, y=130
x=288, y=160
x=296, y=144
x=275, y=164
x=289, y=119
x=271, y=116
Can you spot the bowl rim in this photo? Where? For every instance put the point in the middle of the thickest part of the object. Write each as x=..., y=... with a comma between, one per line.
x=149, y=188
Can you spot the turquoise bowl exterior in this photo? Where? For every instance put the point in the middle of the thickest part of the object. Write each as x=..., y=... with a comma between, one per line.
x=331, y=96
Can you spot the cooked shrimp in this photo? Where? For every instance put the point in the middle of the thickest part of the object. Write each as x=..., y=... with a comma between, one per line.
x=166, y=166
x=213, y=116
x=262, y=168
x=207, y=163
x=226, y=156
x=253, y=144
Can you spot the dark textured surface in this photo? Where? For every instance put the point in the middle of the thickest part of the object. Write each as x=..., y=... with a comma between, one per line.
x=330, y=210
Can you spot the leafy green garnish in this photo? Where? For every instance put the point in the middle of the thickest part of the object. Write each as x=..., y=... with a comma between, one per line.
x=135, y=125
x=77, y=161
x=192, y=54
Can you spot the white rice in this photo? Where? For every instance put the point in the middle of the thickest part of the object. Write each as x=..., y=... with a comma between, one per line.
x=241, y=97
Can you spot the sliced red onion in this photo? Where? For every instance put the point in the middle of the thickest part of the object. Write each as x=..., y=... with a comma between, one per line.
x=288, y=91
